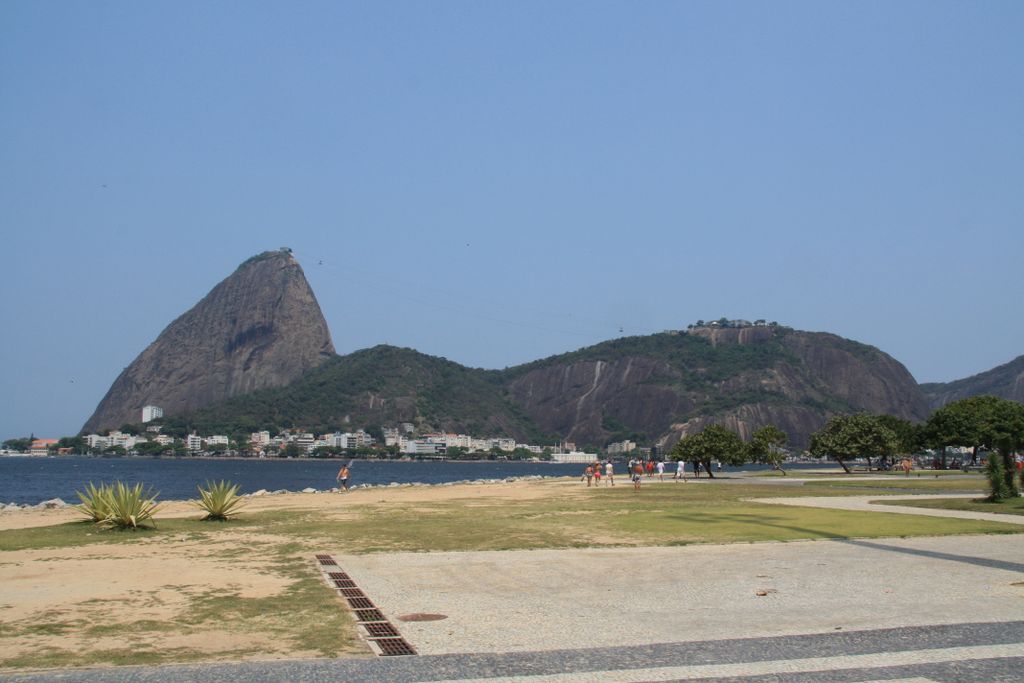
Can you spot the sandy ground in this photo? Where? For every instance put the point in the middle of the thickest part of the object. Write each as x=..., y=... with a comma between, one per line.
x=324, y=502
x=57, y=593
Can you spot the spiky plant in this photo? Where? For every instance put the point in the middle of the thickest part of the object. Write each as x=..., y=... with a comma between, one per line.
x=130, y=507
x=95, y=502
x=219, y=500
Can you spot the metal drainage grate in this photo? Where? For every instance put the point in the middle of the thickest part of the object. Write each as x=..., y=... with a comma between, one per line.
x=381, y=630
x=369, y=615
x=391, y=647
x=361, y=603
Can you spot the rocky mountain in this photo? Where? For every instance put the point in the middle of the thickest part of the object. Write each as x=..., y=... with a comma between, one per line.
x=653, y=388
x=662, y=387
x=1005, y=381
x=261, y=327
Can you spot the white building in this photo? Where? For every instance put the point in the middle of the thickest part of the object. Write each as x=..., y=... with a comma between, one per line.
x=507, y=445
x=259, y=438
x=574, y=456
x=356, y=439
x=304, y=441
x=621, y=447
x=194, y=443
x=216, y=440
x=151, y=413
x=424, y=448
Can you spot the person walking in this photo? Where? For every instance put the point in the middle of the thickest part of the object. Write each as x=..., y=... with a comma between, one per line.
x=661, y=470
x=343, y=478
x=597, y=474
x=609, y=473
x=907, y=465
x=638, y=475
x=681, y=470
x=588, y=474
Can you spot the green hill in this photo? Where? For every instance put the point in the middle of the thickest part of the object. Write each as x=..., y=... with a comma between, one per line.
x=383, y=385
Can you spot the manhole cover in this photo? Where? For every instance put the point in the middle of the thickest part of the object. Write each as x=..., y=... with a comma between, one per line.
x=420, y=616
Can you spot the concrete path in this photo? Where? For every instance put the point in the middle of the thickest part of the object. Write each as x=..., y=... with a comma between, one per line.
x=963, y=653
x=878, y=503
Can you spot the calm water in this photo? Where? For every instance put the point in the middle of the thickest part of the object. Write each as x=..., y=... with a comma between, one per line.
x=31, y=480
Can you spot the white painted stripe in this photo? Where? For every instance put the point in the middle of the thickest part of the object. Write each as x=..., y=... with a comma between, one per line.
x=781, y=666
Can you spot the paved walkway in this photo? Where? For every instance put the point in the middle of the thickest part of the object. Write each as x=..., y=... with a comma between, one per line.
x=878, y=503
x=963, y=653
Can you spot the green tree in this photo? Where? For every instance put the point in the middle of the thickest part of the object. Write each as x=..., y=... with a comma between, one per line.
x=996, y=473
x=768, y=446
x=21, y=444
x=152, y=448
x=325, y=452
x=377, y=432
x=77, y=444
x=986, y=422
x=292, y=450
x=714, y=443
x=908, y=434
x=217, y=448
x=846, y=437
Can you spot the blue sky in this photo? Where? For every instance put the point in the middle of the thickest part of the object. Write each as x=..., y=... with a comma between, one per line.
x=498, y=182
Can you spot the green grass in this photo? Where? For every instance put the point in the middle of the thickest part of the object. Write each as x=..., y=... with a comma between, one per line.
x=665, y=514
x=1013, y=506
x=964, y=485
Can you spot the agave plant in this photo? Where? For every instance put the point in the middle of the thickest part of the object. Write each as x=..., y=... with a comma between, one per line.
x=130, y=507
x=95, y=502
x=219, y=500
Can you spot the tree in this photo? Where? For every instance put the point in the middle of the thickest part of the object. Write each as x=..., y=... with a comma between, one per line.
x=714, y=443
x=21, y=445
x=75, y=443
x=981, y=422
x=376, y=432
x=217, y=448
x=908, y=434
x=846, y=437
x=456, y=452
x=767, y=446
x=151, y=448
x=292, y=450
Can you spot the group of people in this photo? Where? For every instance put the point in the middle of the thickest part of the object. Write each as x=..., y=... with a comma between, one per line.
x=636, y=469
x=594, y=471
